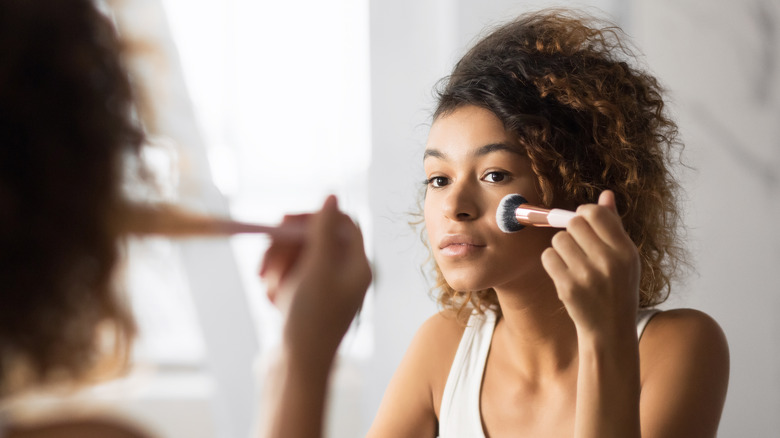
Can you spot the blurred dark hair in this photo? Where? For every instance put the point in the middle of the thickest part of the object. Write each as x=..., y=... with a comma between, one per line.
x=66, y=122
x=588, y=121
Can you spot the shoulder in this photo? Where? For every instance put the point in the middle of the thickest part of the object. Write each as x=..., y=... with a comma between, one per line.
x=412, y=399
x=93, y=428
x=444, y=326
x=436, y=342
x=686, y=334
x=429, y=355
x=684, y=367
x=686, y=329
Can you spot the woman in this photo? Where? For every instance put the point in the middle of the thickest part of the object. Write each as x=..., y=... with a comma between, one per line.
x=67, y=131
x=540, y=329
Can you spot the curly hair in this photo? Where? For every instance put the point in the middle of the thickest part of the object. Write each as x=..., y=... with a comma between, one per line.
x=588, y=121
x=66, y=122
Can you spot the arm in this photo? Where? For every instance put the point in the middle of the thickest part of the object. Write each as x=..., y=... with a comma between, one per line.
x=294, y=399
x=595, y=268
x=685, y=373
x=319, y=286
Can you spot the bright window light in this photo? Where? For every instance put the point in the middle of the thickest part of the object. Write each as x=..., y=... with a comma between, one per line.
x=281, y=93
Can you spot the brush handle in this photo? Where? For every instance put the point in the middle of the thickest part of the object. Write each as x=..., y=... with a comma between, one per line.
x=559, y=218
x=172, y=221
x=542, y=217
x=229, y=227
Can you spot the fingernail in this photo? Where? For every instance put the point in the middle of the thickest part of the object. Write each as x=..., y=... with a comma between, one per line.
x=332, y=202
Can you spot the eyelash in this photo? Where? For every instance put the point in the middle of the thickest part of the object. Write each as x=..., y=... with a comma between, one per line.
x=430, y=181
x=504, y=175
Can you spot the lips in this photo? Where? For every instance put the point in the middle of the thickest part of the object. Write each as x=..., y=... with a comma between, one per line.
x=460, y=245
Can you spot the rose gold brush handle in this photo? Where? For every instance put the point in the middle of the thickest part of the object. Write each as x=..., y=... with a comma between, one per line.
x=542, y=217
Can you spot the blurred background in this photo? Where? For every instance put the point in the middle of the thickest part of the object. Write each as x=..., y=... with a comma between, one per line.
x=259, y=108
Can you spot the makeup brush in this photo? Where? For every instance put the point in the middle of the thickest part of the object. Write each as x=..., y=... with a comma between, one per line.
x=172, y=221
x=514, y=213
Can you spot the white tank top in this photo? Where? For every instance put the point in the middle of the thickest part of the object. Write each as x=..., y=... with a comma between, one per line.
x=459, y=415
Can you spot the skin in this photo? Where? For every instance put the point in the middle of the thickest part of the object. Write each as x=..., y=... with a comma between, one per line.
x=564, y=358
x=318, y=285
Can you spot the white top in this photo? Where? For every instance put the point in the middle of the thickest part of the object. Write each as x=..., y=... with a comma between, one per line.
x=459, y=415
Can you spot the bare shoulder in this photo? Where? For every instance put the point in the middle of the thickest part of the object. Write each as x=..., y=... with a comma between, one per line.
x=436, y=343
x=411, y=402
x=93, y=428
x=685, y=330
x=684, y=364
x=444, y=328
x=687, y=337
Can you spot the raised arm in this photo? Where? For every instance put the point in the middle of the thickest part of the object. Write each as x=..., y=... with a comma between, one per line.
x=684, y=376
x=318, y=285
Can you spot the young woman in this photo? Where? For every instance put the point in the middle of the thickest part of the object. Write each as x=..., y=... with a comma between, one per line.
x=548, y=333
x=67, y=127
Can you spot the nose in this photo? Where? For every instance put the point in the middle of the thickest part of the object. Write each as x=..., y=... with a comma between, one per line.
x=461, y=203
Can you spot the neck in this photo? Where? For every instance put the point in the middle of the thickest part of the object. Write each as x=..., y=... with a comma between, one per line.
x=535, y=330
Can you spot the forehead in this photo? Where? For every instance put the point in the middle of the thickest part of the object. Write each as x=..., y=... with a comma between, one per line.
x=467, y=129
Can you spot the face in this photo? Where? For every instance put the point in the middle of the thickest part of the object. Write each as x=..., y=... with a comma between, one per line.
x=471, y=163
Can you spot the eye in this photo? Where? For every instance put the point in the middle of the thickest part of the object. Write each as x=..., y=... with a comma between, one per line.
x=437, y=181
x=495, y=176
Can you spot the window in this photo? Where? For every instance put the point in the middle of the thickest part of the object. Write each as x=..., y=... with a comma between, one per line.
x=276, y=115
x=280, y=91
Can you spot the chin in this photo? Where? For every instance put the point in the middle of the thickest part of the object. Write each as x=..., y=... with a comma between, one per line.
x=466, y=283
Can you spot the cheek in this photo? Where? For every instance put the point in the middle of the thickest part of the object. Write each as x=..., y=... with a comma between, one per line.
x=429, y=216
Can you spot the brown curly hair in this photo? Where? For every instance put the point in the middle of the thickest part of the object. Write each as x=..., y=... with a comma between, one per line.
x=588, y=121
x=66, y=122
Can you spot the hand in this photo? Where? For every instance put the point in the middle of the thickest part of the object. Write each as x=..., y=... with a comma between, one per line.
x=319, y=283
x=595, y=268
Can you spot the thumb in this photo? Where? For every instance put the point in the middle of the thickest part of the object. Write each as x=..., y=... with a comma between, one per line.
x=607, y=199
x=324, y=229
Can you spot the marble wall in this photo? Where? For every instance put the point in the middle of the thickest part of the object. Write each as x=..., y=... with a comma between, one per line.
x=720, y=61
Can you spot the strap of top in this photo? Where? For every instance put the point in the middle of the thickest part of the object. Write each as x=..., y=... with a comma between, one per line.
x=642, y=318
x=459, y=413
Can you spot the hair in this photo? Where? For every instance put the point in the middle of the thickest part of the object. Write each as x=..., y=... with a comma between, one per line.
x=66, y=123
x=588, y=121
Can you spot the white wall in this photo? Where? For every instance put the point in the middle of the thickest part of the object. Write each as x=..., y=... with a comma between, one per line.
x=410, y=44
x=721, y=63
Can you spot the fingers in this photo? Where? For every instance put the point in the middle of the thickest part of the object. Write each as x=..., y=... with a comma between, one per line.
x=282, y=252
x=593, y=242
x=328, y=230
x=594, y=265
x=603, y=223
x=331, y=251
x=327, y=279
x=554, y=265
x=607, y=199
x=337, y=246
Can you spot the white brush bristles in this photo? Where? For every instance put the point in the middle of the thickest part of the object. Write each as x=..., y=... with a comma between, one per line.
x=505, y=214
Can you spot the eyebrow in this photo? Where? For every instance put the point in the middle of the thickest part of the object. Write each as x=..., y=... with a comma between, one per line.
x=482, y=151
